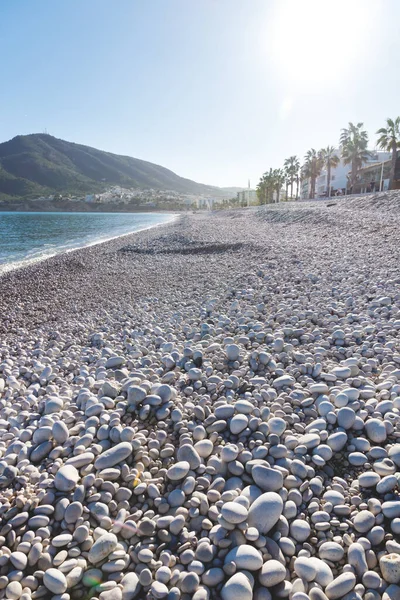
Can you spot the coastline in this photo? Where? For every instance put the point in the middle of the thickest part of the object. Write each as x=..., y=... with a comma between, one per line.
x=8, y=267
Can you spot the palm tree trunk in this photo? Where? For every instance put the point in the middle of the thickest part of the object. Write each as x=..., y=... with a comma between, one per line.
x=393, y=169
x=353, y=175
x=328, y=190
x=291, y=188
x=297, y=186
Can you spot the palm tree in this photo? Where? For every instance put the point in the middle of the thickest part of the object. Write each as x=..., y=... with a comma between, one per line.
x=312, y=168
x=266, y=186
x=330, y=160
x=390, y=140
x=353, y=145
x=279, y=180
x=292, y=166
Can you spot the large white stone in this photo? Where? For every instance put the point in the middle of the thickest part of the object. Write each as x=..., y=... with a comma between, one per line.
x=66, y=478
x=113, y=455
x=55, y=581
x=245, y=557
x=102, y=547
x=265, y=511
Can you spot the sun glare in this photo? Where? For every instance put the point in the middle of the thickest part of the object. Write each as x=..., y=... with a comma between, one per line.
x=316, y=42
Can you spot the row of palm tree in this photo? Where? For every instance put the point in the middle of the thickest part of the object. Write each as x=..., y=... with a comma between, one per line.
x=353, y=150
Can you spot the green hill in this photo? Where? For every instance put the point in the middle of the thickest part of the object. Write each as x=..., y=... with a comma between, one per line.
x=40, y=164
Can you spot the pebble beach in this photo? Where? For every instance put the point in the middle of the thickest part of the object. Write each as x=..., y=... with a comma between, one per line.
x=207, y=410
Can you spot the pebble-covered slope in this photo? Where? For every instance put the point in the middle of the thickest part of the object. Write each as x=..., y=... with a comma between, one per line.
x=207, y=410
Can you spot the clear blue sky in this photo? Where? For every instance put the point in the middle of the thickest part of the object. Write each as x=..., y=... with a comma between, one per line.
x=216, y=90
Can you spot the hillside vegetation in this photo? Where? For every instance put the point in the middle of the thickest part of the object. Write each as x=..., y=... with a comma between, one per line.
x=40, y=164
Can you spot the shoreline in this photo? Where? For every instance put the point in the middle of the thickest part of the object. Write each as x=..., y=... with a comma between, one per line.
x=9, y=267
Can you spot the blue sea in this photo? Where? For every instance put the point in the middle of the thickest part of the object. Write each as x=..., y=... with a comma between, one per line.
x=27, y=237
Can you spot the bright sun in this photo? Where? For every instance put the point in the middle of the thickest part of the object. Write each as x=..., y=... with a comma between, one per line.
x=316, y=42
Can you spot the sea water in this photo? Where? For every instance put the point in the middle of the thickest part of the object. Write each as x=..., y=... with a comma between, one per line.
x=27, y=237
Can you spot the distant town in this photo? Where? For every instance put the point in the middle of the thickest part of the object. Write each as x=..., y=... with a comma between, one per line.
x=152, y=199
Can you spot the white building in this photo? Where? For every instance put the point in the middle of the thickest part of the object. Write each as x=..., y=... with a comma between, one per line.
x=339, y=179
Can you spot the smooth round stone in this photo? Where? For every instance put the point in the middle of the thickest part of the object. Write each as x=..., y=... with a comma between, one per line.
x=130, y=586
x=337, y=441
x=238, y=424
x=232, y=351
x=369, y=479
x=357, y=559
x=363, y=521
x=391, y=509
x=114, y=362
x=13, y=590
x=371, y=579
x=81, y=460
x=55, y=581
x=66, y=478
x=136, y=394
x=387, y=484
x=269, y=480
x=244, y=407
x=245, y=557
x=60, y=432
x=61, y=540
x=340, y=586
x=334, y=497
x=233, y=512
x=189, y=454
x=238, y=587
x=265, y=511
x=189, y=583
x=195, y=374
x=376, y=430
x=113, y=456
x=309, y=440
x=40, y=452
x=300, y=530
x=357, y=459
x=158, y=590
x=341, y=372
x=390, y=567
x=229, y=453
x=272, y=573
x=305, y=568
x=346, y=417
x=331, y=551
x=102, y=547
x=204, y=448
x=324, y=574
x=19, y=560
x=384, y=467
x=178, y=471
x=276, y=425
x=225, y=412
